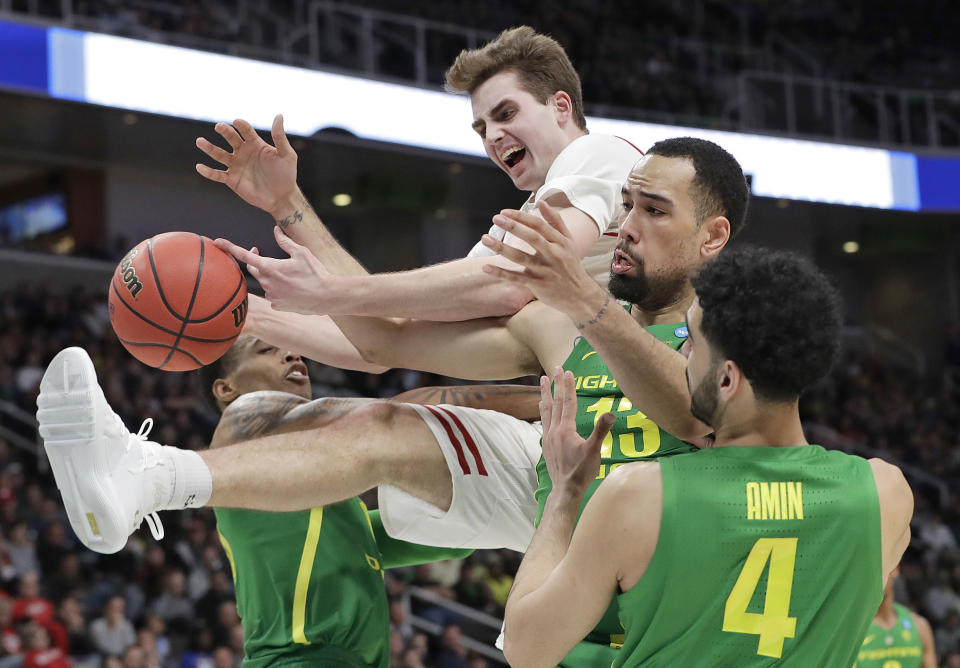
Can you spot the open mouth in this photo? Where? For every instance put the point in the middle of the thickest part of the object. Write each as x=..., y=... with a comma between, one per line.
x=621, y=262
x=513, y=155
x=297, y=372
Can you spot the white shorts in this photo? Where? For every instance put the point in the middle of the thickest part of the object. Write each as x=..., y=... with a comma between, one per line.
x=492, y=458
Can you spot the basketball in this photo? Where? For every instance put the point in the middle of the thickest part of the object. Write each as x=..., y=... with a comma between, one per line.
x=177, y=302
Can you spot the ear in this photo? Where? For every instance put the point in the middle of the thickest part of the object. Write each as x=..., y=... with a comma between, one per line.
x=729, y=381
x=717, y=234
x=564, y=106
x=223, y=391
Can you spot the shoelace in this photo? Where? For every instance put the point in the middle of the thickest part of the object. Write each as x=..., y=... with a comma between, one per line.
x=149, y=461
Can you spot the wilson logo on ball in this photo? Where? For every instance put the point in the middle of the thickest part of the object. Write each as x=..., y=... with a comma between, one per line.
x=129, y=274
x=240, y=313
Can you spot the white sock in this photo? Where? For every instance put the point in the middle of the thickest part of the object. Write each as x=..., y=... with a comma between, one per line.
x=190, y=482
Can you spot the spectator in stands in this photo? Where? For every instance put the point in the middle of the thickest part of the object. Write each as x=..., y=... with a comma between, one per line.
x=470, y=589
x=400, y=621
x=452, y=653
x=113, y=633
x=227, y=619
x=147, y=643
x=22, y=551
x=236, y=640
x=200, y=653
x=223, y=657
x=39, y=652
x=10, y=642
x=396, y=648
x=173, y=603
x=135, y=657
x=30, y=604
x=68, y=576
x=476, y=660
x=53, y=550
x=220, y=591
x=70, y=614
x=496, y=585
x=157, y=627
x=412, y=659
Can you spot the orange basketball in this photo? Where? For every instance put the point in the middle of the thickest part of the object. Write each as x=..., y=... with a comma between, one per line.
x=177, y=302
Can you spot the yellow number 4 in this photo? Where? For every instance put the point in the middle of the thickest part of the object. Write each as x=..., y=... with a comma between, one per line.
x=774, y=624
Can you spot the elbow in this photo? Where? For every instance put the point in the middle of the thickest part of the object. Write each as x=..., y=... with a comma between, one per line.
x=379, y=351
x=515, y=297
x=526, y=652
x=506, y=301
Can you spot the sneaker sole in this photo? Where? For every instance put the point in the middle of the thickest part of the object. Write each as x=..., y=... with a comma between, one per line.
x=68, y=424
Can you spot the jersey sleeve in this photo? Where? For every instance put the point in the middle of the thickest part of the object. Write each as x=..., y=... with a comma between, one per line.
x=396, y=553
x=590, y=172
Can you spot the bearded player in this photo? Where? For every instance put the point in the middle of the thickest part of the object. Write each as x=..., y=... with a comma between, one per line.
x=761, y=550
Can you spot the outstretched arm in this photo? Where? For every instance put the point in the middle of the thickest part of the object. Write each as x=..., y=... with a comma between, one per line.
x=315, y=337
x=481, y=349
x=651, y=374
x=456, y=290
x=265, y=176
x=568, y=577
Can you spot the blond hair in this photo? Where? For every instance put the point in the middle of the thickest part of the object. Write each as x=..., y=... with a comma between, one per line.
x=539, y=61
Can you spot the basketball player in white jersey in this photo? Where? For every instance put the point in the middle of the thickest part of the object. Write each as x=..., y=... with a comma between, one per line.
x=528, y=111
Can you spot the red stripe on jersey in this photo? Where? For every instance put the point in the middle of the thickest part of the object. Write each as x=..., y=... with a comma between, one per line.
x=453, y=439
x=611, y=234
x=629, y=142
x=470, y=444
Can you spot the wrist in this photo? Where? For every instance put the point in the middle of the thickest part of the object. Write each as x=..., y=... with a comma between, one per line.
x=590, y=305
x=289, y=208
x=565, y=497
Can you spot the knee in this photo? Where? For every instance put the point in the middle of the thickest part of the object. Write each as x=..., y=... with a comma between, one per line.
x=382, y=414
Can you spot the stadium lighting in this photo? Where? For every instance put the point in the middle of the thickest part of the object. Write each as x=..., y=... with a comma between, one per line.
x=850, y=247
x=157, y=78
x=342, y=199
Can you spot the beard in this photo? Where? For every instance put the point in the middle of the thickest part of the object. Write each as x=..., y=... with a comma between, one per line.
x=704, y=398
x=650, y=291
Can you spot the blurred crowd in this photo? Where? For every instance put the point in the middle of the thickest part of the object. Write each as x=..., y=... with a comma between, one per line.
x=171, y=603
x=677, y=58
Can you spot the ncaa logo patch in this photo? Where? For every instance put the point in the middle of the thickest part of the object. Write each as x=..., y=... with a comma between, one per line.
x=681, y=332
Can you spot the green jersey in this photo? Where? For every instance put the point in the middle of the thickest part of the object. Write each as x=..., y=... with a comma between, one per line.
x=897, y=647
x=309, y=586
x=766, y=556
x=633, y=437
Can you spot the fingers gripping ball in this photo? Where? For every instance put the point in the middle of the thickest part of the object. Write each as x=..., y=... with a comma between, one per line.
x=177, y=302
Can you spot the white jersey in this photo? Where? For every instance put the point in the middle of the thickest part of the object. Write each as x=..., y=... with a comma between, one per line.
x=590, y=171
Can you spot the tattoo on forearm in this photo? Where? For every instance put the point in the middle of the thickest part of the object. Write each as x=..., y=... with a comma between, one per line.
x=595, y=319
x=290, y=220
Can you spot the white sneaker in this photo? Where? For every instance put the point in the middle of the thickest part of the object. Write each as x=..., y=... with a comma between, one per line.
x=102, y=470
